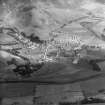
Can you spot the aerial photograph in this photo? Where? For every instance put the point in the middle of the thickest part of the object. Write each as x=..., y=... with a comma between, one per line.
x=52, y=52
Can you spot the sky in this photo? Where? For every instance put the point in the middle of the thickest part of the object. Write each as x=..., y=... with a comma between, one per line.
x=101, y=1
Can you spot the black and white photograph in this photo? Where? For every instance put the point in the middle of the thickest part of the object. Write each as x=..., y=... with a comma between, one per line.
x=52, y=52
